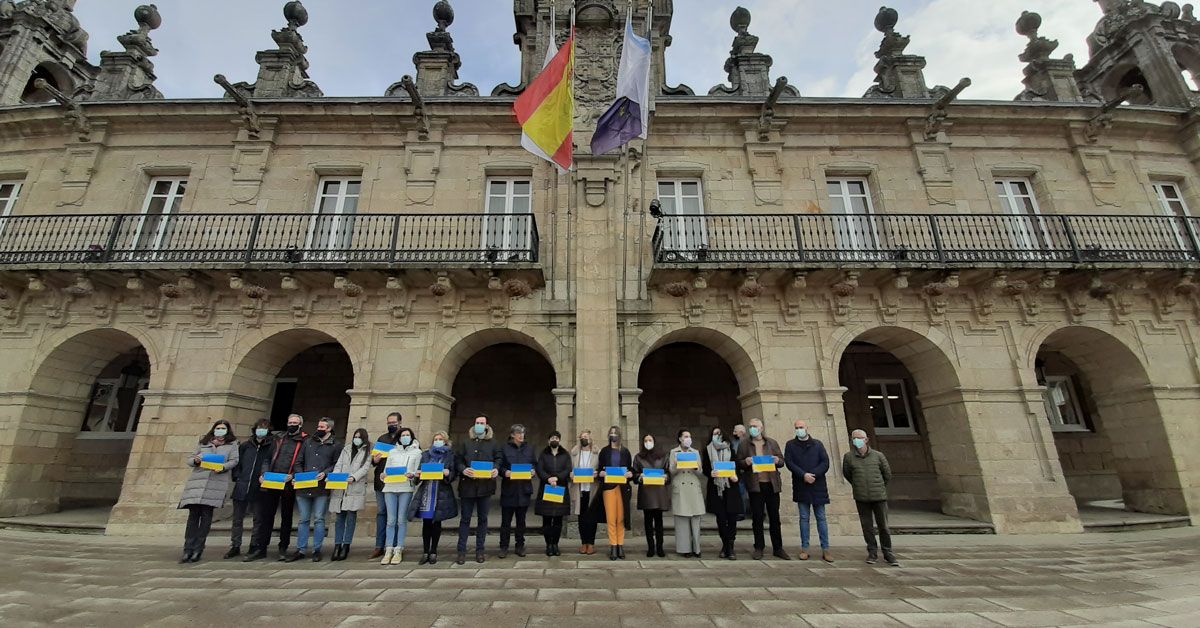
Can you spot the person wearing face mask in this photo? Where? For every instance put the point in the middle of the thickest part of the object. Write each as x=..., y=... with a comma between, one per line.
x=355, y=460
x=205, y=488
x=805, y=457
x=687, y=498
x=583, y=456
x=379, y=462
x=764, y=488
x=433, y=501
x=321, y=453
x=245, y=487
x=286, y=457
x=722, y=498
x=398, y=495
x=515, y=495
x=475, y=490
x=553, y=469
x=869, y=474
x=612, y=506
x=653, y=499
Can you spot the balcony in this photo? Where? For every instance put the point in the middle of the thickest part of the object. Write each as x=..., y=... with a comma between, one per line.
x=925, y=241
x=267, y=241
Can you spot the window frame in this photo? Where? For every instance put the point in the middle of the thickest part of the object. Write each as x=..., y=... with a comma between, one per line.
x=1052, y=413
x=506, y=236
x=8, y=203
x=333, y=243
x=684, y=238
x=173, y=197
x=891, y=429
x=851, y=239
x=1028, y=230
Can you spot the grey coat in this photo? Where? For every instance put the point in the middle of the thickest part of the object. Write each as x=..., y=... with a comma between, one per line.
x=354, y=498
x=687, y=487
x=208, y=488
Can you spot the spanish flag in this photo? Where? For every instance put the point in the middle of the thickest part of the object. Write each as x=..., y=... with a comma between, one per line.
x=546, y=110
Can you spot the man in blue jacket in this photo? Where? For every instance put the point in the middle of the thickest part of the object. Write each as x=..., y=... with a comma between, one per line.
x=805, y=457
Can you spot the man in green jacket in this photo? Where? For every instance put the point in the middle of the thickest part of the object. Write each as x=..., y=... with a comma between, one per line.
x=868, y=472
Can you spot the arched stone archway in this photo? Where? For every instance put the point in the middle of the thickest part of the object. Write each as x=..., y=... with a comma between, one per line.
x=1108, y=426
x=686, y=385
x=83, y=402
x=509, y=383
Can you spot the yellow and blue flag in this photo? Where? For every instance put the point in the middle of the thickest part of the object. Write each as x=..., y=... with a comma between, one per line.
x=554, y=494
x=583, y=476
x=395, y=475
x=305, y=480
x=688, y=460
x=725, y=469
x=614, y=475
x=483, y=467
x=383, y=449
x=213, y=462
x=654, y=477
x=521, y=472
x=274, y=481
x=433, y=471
x=337, y=481
x=763, y=464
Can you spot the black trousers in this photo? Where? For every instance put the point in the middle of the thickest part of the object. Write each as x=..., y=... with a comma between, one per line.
x=879, y=512
x=552, y=529
x=199, y=523
x=587, y=525
x=241, y=508
x=269, y=503
x=654, y=527
x=506, y=518
x=431, y=535
x=727, y=525
x=466, y=506
x=765, y=504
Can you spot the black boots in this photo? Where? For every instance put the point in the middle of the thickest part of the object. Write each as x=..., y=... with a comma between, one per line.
x=621, y=552
x=612, y=552
x=520, y=551
x=233, y=551
x=340, y=552
x=255, y=554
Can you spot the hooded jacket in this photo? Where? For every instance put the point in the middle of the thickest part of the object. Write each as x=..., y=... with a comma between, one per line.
x=473, y=449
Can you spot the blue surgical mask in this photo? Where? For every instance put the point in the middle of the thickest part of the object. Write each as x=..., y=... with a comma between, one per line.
x=406, y=440
x=717, y=439
x=754, y=432
x=480, y=429
x=439, y=443
x=801, y=433
x=261, y=432
x=357, y=441
x=859, y=443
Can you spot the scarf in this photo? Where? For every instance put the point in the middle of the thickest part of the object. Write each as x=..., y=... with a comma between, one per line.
x=217, y=441
x=719, y=453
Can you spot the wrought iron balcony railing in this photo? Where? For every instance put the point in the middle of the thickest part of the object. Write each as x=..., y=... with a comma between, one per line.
x=925, y=240
x=250, y=239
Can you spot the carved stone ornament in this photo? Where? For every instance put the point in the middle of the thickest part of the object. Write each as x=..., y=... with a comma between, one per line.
x=170, y=291
x=441, y=287
x=750, y=288
x=677, y=289
x=935, y=289
x=843, y=289
x=254, y=292
x=517, y=288
x=1016, y=288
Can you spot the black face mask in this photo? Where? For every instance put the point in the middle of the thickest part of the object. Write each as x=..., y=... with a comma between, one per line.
x=321, y=433
x=554, y=444
x=293, y=429
x=392, y=429
x=583, y=442
x=613, y=438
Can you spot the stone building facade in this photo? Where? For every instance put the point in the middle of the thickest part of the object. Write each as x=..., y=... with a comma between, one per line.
x=1001, y=293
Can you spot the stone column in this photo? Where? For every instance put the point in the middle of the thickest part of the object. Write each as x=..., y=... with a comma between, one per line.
x=564, y=413
x=631, y=420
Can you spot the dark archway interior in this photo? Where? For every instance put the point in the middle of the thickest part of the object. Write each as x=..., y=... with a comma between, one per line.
x=509, y=383
x=685, y=386
x=314, y=384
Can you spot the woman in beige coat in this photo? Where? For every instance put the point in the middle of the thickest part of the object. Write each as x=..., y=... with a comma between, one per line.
x=687, y=498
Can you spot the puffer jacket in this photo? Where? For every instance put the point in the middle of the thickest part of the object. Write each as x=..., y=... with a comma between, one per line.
x=515, y=493
x=205, y=487
x=439, y=493
x=869, y=475
x=354, y=497
x=251, y=456
x=407, y=457
x=319, y=457
x=474, y=449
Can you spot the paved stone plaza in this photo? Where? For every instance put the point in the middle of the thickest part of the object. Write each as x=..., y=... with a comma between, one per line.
x=1129, y=579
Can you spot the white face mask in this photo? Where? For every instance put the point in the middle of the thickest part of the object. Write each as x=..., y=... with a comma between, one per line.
x=357, y=442
x=687, y=442
x=649, y=445
x=220, y=432
x=439, y=443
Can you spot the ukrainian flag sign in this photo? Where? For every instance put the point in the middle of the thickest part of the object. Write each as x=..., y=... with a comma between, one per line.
x=725, y=469
x=395, y=475
x=482, y=467
x=688, y=460
x=763, y=464
x=521, y=472
x=213, y=462
x=274, y=481
x=614, y=475
x=383, y=449
x=433, y=471
x=554, y=494
x=305, y=480
x=584, y=476
x=654, y=477
x=337, y=481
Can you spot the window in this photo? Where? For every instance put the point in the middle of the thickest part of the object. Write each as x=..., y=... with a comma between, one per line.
x=332, y=225
x=888, y=402
x=855, y=231
x=115, y=404
x=152, y=228
x=507, y=233
x=686, y=233
x=1172, y=204
x=10, y=191
x=1062, y=406
x=1026, y=227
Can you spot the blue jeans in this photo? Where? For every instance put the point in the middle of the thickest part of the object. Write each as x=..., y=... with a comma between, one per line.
x=311, y=508
x=380, y=519
x=397, y=518
x=343, y=532
x=822, y=524
x=478, y=505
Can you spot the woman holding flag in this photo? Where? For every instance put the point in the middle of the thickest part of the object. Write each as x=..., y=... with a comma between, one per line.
x=434, y=501
x=650, y=473
x=205, y=490
x=554, y=472
x=687, y=495
x=398, y=475
x=722, y=498
x=354, y=463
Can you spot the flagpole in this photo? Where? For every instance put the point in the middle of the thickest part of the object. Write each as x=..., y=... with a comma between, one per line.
x=643, y=288
x=627, y=174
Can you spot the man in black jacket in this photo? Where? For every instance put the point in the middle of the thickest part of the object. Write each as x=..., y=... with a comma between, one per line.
x=320, y=456
x=287, y=456
x=515, y=495
x=475, y=490
x=379, y=462
x=253, y=452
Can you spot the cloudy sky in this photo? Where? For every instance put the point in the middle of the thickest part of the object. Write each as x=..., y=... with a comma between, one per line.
x=825, y=47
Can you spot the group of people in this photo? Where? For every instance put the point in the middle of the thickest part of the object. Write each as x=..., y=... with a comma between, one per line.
x=725, y=477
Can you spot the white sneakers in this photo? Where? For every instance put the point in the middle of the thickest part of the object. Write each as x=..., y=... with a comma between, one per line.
x=397, y=556
x=392, y=556
x=387, y=556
